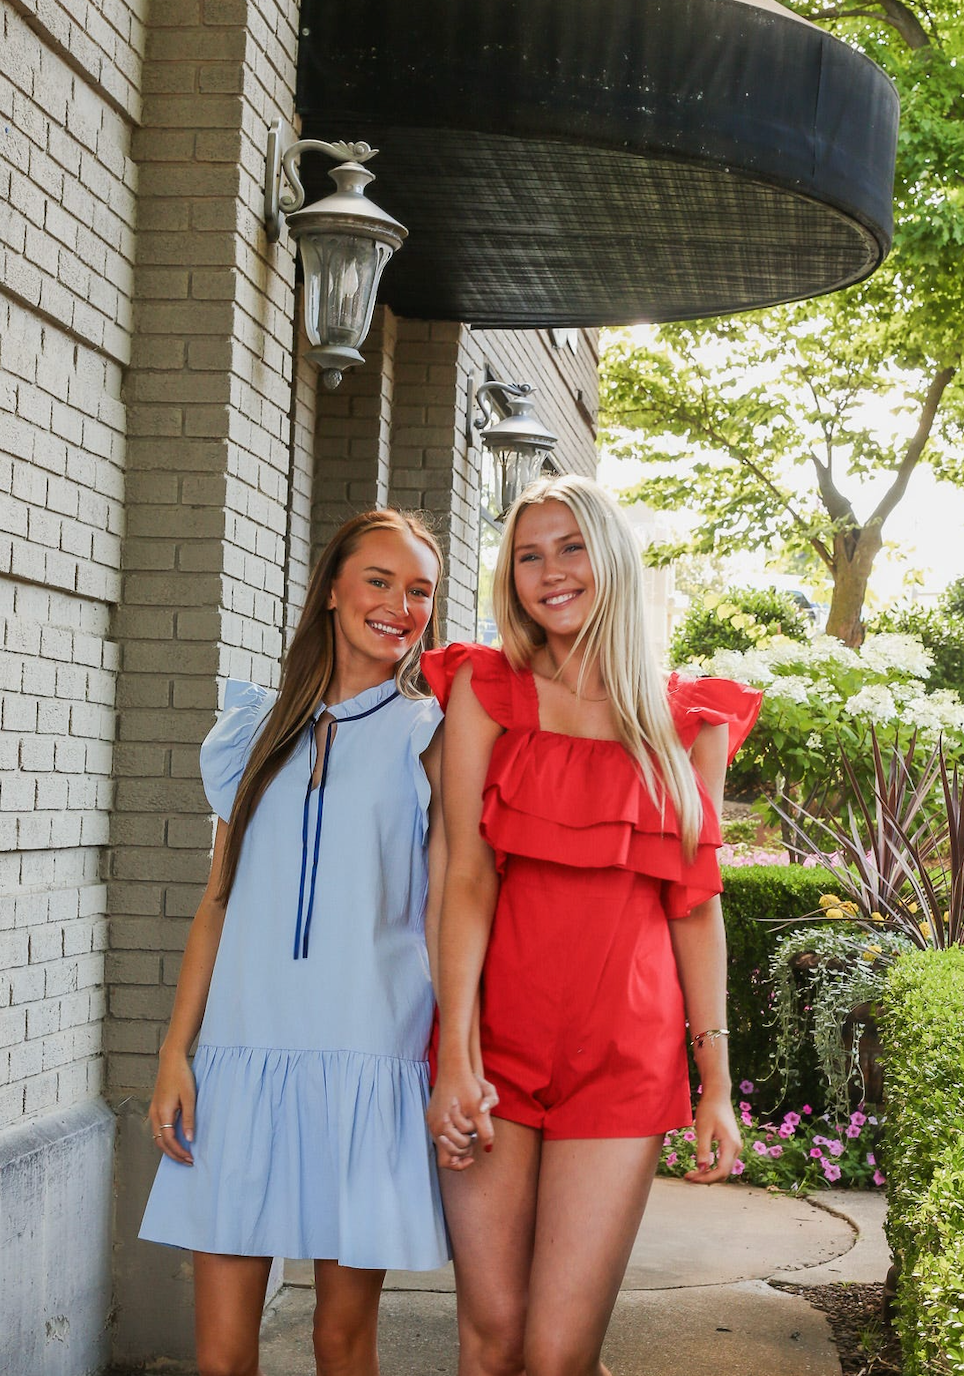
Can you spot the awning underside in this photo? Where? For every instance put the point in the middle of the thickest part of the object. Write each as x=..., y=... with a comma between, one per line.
x=678, y=160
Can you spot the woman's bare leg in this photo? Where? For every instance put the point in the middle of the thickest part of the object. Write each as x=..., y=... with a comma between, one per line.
x=592, y=1194
x=228, y=1300
x=345, y=1329
x=490, y=1208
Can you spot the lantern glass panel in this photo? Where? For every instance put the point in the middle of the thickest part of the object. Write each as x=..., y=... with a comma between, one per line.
x=342, y=273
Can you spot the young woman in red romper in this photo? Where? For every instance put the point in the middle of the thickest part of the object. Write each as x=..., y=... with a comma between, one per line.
x=581, y=931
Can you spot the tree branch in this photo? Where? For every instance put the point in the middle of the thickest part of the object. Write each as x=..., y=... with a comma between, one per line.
x=892, y=12
x=915, y=446
x=835, y=503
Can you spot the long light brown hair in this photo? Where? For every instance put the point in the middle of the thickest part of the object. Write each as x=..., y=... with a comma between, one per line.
x=614, y=633
x=308, y=667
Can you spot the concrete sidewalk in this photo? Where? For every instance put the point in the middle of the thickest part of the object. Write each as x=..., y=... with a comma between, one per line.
x=695, y=1298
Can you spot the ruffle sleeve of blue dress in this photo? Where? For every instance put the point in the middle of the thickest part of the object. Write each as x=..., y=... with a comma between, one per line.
x=226, y=748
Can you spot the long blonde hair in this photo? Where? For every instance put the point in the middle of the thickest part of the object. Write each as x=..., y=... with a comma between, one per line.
x=614, y=634
x=308, y=668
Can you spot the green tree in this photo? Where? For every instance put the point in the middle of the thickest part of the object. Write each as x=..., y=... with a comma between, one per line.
x=754, y=421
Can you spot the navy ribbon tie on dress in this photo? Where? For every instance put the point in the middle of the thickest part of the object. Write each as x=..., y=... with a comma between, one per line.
x=301, y=939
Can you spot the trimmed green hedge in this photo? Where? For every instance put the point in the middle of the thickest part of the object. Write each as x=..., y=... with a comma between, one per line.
x=752, y=893
x=923, y=1030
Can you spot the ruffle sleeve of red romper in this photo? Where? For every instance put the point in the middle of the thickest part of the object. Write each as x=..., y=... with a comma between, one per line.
x=697, y=702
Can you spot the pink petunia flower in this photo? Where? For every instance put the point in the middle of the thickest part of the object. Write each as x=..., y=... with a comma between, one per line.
x=689, y=1135
x=816, y=1153
x=858, y=1118
x=787, y=1130
x=871, y=1159
x=746, y=1119
x=831, y=1170
x=760, y=1148
x=776, y=1150
x=738, y=1168
x=746, y=1086
x=791, y=1118
x=672, y=1159
x=836, y=1148
x=878, y=1177
x=807, y=1110
x=852, y=1130
x=744, y=1107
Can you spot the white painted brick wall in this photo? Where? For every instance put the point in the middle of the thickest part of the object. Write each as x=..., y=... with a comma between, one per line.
x=68, y=100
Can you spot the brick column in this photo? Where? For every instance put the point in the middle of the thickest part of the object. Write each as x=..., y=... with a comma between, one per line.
x=209, y=528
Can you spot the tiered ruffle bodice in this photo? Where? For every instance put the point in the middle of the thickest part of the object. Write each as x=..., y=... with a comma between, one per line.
x=575, y=801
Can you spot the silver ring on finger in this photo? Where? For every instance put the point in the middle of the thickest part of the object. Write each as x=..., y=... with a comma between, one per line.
x=167, y=1125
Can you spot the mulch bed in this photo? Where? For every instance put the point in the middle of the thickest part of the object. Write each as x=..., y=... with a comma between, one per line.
x=865, y=1345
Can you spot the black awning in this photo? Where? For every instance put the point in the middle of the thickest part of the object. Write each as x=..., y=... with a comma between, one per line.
x=594, y=162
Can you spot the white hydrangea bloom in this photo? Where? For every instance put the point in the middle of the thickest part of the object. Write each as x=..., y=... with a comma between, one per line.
x=876, y=702
x=732, y=664
x=827, y=649
x=782, y=650
x=908, y=691
x=923, y=714
x=814, y=742
x=827, y=691
x=882, y=653
x=790, y=688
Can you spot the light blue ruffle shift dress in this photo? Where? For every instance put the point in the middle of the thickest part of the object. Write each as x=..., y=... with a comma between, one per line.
x=310, y=1140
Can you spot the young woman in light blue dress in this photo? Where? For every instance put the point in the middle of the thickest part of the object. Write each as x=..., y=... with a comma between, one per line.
x=300, y=1131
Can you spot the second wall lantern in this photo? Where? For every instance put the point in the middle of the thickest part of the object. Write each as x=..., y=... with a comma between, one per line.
x=519, y=441
x=344, y=241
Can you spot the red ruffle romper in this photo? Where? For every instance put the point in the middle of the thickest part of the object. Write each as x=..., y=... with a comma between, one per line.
x=582, y=1024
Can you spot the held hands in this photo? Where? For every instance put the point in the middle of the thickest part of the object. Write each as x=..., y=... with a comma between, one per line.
x=715, y=1123
x=459, y=1118
x=174, y=1093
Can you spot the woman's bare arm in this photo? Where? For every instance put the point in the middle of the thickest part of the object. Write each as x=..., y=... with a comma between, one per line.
x=174, y=1088
x=468, y=906
x=699, y=944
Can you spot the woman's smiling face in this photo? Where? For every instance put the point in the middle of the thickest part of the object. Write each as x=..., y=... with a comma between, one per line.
x=381, y=600
x=553, y=576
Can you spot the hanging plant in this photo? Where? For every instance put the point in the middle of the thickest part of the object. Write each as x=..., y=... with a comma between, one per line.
x=820, y=976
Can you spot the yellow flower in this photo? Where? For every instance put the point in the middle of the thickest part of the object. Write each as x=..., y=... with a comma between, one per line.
x=912, y=907
x=850, y=907
x=877, y=917
x=871, y=953
x=725, y=610
x=711, y=600
x=924, y=928
x=835, y=914
x=829, y=900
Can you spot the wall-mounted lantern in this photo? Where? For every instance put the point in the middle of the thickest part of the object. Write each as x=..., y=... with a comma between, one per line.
x=519, y=441
x=344, y=241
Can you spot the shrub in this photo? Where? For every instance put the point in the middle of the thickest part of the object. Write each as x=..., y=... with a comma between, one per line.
x=940, y=630
x=923, y=1031
x=737, y=619
x=758, y=901
x=942, y=636
x=821, y=698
